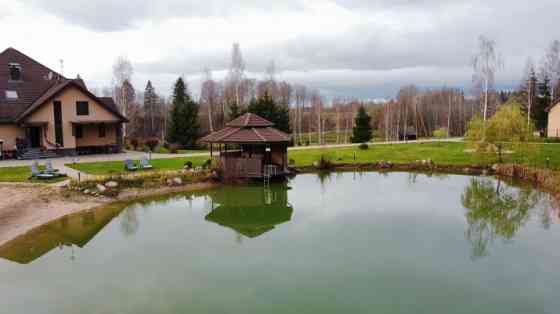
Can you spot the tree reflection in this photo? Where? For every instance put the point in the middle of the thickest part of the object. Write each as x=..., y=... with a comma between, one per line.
x=495, y=211
x=129, y=221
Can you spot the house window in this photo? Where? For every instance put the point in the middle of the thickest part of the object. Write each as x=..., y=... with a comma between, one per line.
x=78, y=131
x=11, y=95
x=102, y=130
x=82, y=108
x=15, y=71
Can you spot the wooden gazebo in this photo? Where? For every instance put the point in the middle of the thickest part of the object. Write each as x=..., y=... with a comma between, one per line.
x=250, y=148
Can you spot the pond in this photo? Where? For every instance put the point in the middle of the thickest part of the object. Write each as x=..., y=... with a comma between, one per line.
x=339, y=243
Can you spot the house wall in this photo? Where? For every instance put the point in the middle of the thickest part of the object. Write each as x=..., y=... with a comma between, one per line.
x=91, y=136
x=554, y=121
x=68, y=99
x=9, y=133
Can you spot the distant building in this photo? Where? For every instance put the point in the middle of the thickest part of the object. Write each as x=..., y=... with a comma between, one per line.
x=44, y=114
x=553, y=129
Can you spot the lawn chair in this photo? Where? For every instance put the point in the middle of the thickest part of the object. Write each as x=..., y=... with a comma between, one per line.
x=129, y=165
x=145, y=163
x=49, y=169
x=35, y=173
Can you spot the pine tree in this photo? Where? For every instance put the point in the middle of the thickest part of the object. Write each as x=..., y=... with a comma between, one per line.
x=234, y=111
x=362, y=132
x=543, y=102
x=267, y=108
x=150, y=99
x=183, y=122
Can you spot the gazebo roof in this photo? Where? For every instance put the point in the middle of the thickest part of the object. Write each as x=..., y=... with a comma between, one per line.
x=249, y=120
x=249, y=128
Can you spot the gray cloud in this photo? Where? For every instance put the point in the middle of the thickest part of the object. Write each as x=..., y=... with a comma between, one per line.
x=389, y=44
x=447, y=44
x=115, y=15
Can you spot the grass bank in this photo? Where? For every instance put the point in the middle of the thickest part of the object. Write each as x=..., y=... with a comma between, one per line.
x=440, y=153
x=117, y=167
x=23, y=174
x=444, y=153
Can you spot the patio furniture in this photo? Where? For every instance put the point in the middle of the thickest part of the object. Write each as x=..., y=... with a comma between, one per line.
x=49, y=168
x=145, y=163
x=129, y=165
x=36, y=173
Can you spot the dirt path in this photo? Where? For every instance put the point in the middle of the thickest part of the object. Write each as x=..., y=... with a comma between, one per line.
x=24, y=207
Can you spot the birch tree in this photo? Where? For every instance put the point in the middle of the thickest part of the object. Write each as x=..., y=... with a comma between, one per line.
x=552, y=66
x=209, y=97
x=122, y=72
x=486, y=63
x=235, y=77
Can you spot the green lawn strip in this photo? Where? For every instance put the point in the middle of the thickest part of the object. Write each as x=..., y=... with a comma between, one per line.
x=451, y=153
x=23, y=174
x=117, y=167
x=440, y=153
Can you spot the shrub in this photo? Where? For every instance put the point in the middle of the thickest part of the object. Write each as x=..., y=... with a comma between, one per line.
x=440, y=133
x=189, y=164
x=291, y=162
x=363, y=146
x=174, y=148
x=152, y=142
x=324, y=163
x=166, y=145
x=207, y=164
x=135, y=143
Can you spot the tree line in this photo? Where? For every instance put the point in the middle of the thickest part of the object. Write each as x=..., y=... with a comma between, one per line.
x=309, y=118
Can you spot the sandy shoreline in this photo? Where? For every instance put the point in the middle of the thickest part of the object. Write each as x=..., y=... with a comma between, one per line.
x=24, y=207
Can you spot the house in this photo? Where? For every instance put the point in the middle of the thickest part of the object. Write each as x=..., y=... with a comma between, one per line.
x=250, y=148
x=44, y=114
x=553, y=129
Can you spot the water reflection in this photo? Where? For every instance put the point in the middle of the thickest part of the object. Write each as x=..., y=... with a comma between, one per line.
x=129, y=221
x=250, y=210
x=73, y=230
x=496, y=210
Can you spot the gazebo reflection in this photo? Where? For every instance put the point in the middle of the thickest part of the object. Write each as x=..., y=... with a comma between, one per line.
x=250, y=210
x=72, y=230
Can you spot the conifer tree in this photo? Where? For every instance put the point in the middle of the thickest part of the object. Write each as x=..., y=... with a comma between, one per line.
x=543, y=102
x=183, y=122
x=267, y=108
x=362, y=132
x=150, y=99
x=234, y=111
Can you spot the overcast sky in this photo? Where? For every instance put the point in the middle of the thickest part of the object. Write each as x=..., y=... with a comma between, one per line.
x=347, y=48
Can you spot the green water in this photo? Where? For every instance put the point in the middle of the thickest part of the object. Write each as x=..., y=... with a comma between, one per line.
x=344, y=243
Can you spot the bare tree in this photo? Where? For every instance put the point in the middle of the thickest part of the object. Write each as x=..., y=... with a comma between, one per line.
x=552, y=65
x=122, y=72
x=209, y=97
x=300, y=98
x=236, y=75
x=485, y=64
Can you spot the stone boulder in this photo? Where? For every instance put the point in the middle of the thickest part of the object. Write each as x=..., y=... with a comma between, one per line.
x=101, y=188
x=111, y=184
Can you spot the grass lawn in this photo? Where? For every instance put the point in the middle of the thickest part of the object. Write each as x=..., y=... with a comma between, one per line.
x=117, y=167
x=22, y=174
x=451, y=153
x=440, y=153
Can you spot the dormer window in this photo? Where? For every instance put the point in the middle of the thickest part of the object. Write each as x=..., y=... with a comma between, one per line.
x=15, y=72
x=11, y=95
